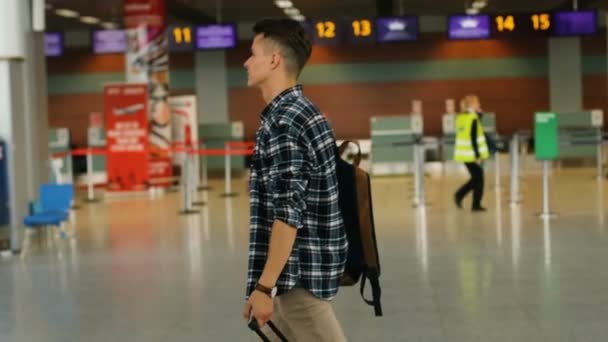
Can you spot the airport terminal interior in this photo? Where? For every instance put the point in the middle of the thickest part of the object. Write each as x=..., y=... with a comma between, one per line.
x=127, y=131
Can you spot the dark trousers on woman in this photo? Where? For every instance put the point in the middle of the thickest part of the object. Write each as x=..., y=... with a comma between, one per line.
x=475, y=184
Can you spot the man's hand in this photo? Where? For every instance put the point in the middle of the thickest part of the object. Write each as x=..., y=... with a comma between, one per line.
x=260, y=306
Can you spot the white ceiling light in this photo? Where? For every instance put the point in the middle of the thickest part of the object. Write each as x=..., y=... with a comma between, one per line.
x=472, y=11
x=68, y=13
x=479, y=4
x=89, y=20
x=283, y=3
x=298, y=17
x=109, y=25
x=291, y=11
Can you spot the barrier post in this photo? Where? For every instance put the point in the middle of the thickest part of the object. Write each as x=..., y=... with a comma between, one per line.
x=546, y=139
x=546, y=214
x=186, y=190
x=228, y=173
x=70, y=177
x=191, y=157
x=205, y=172
x=90, y=186
x=514, y=151
x=600, y=158
x=421, y=162
x=496, y=170
x=416, y=176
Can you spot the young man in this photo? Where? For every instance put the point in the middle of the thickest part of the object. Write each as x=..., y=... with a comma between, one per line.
x=297, y=244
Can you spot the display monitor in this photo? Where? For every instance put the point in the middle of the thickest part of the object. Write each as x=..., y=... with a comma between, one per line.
x=216, y=36
x=53, y=44
x=109, y=41
x=575, y=23
x=469, y=27
x=397, y=29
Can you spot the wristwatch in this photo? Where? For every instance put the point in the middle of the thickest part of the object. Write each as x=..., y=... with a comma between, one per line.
x=266, y=290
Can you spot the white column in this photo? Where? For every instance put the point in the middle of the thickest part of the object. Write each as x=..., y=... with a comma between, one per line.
x=211, y=86
x=14, y=25
x=565, y=74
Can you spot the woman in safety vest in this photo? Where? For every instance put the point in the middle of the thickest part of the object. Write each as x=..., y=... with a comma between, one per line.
x=471, y=149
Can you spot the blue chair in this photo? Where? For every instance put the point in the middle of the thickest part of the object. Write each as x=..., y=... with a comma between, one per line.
x=53, y=207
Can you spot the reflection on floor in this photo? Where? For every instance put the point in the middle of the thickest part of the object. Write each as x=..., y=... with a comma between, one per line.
x=136, y=270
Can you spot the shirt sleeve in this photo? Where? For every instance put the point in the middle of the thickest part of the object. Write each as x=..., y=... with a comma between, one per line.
x=474, y=138
x=289, y=174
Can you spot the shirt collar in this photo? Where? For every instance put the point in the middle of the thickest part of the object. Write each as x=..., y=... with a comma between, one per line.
x=295, y=91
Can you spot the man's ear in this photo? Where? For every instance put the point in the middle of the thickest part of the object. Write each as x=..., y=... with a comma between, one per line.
x=276, y=60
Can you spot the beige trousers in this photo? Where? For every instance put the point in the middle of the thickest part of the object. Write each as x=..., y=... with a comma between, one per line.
x=302, y=317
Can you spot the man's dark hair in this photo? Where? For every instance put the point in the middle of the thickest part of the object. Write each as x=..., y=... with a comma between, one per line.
x=291, y=38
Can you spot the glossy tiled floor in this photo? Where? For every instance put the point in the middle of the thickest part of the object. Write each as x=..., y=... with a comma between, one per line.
x=135, y=270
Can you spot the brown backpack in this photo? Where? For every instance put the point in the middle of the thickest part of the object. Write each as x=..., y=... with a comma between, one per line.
x=355, y=201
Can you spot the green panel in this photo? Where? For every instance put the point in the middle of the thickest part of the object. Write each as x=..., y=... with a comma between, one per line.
x=594, y=65
x=214, y=130
x=574, y=119
x=412, y=71
x=390, y=123
x=97, y=139
x=215, y=135
x=546, y=140
x=99, y=164
x=447, y=151
x=382, y=154
x=580, y=143
x=488, y=120
x=566, y=152
x=350, y=73
x=392, y=138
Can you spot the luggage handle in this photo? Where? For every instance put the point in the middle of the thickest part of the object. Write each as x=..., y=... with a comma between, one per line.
x=343, y=147
x=253, y=325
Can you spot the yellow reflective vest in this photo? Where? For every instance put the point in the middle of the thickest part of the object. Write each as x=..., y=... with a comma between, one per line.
x=463, y=149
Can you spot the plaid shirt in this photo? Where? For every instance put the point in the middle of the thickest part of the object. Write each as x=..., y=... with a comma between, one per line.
x=293, y=179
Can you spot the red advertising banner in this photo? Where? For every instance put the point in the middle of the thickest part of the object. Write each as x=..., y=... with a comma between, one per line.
x=147, y=61
x=126, y=112
x=151, y=13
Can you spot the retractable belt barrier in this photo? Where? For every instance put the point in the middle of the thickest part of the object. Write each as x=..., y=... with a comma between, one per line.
x=187, y=177
x=419, y=159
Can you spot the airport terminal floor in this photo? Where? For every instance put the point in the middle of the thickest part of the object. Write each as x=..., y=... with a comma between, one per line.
x=113, y=113
x=136, y=270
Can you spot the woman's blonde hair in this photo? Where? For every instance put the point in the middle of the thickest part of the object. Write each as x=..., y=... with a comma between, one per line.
x=466, y=102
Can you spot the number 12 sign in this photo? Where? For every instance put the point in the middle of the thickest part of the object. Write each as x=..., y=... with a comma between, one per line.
x=326, y=32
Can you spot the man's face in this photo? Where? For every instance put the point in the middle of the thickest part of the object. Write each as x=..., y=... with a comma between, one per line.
x=260, y=65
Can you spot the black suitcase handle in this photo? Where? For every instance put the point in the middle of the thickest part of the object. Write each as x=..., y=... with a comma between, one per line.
x=253, y=325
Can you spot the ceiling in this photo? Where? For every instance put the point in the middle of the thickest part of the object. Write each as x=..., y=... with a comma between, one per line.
x=200, y=11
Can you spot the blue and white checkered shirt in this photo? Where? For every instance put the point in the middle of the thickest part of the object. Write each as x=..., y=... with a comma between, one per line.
x=293, y=179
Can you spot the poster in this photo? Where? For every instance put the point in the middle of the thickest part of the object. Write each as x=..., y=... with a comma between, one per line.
x=148, y=62
x=126, y=113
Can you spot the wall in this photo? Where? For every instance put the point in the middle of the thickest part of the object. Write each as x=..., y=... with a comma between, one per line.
x=351, y=84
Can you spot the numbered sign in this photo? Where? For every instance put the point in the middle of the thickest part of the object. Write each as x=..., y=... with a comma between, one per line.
x=180, y=38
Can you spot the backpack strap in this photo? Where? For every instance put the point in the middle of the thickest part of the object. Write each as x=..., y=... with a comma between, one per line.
x=376, y=293
x=344, y=145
